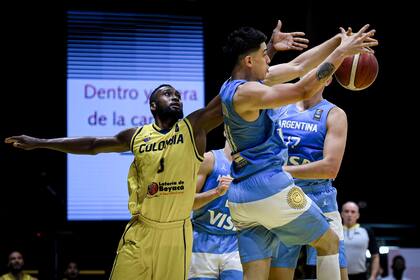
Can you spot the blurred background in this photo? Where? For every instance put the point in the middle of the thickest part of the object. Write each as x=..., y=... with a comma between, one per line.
x=379, y=167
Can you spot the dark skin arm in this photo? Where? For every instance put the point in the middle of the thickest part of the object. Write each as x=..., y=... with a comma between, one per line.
x=77, y=145
x=204, y=120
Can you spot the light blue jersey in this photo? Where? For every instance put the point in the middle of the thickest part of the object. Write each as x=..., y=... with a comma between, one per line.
x=304, y=132
x=255, y=145
x=265, y=205
x=215, y=216
x=215, y=247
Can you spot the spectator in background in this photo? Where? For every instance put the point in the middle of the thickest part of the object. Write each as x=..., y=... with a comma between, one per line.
x=71, y=272
x=356, y=241
x=398, y=267
x=15, y=265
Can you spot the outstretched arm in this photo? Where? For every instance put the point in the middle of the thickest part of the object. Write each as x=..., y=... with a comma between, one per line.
x=302, y=64
x=77, y=145
x=334, y=146
x=204, y=120
x=253, y=96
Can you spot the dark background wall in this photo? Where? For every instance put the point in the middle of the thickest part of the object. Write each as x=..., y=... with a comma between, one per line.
x=380, y=164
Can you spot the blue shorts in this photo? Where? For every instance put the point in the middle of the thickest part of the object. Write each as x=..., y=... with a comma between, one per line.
x=266, y=211
x=215, y=256
x=326, y=198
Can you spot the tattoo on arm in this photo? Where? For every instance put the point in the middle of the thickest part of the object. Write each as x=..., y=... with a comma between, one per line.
x=325, y=71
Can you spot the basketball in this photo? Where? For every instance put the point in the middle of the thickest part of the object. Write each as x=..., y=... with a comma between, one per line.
x=357, y=72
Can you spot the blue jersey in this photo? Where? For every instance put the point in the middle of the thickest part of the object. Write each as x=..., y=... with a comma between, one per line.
x=304, y=133
x=215, y=216
x=255, y=145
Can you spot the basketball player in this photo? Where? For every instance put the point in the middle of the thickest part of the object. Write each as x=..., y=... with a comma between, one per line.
x=215, y=247
x=157, y=241
x=15, y=265
x=264, y=203
x=315, y=133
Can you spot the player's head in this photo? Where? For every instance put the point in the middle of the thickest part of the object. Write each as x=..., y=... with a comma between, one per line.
x=165, y=103
x=15, y=262
x=246, y=47
x=398, y=266
x=72, y=271
x=350, y=213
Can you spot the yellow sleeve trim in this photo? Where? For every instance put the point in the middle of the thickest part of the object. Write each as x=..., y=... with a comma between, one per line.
x=197, y=154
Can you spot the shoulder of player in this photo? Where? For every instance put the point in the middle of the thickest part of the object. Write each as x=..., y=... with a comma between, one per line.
x=250, y=88
x=208, y=161
x=128, y=136
x=336, y=114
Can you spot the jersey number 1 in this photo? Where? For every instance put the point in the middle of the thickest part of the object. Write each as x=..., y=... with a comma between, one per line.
x=161, y=166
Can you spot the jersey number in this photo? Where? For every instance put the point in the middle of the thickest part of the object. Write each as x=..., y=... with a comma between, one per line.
x=292, y=141
x=161, y=166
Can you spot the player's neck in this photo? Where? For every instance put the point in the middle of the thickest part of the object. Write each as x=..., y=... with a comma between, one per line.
x=242, y=74
x=165, y=123
x=17, y=274
x=309, y=103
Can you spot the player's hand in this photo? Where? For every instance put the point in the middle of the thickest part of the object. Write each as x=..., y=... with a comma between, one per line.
x=349, y=32
x=224, y=183
x=282, y=41
x=359, y=42
x=23, y=142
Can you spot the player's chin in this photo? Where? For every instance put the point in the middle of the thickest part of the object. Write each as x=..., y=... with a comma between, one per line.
x=179, y=113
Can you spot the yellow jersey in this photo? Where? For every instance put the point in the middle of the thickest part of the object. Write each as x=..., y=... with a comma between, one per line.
x=9, y=276
x=162, y=178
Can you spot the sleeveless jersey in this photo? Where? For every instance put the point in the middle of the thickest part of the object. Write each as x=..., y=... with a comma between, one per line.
x=163, y=175
x=215, y=217
x=304, y=134
x=9, y=276
x=255, y=145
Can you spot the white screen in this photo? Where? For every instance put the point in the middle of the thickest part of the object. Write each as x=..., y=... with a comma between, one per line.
x=114, y=61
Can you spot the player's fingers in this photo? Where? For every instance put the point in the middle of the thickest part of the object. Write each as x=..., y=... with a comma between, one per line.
x=301, y=40
x=11, y=139
x=370, y=39
x=370, y=44
x=342, y=31
x=363, y=29
x=368, y=35
x=299, y=45
x=18, y=145
x=297, y=34
x=278, y=27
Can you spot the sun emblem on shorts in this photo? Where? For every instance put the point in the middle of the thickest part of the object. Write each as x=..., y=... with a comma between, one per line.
x=296, y=198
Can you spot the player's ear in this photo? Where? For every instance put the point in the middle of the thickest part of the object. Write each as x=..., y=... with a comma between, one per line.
x=153, y=106
x=248, y=60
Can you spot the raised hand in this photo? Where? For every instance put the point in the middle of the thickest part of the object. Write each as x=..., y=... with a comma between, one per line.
x=359, y=42
x=282, y=41
x=23, y=142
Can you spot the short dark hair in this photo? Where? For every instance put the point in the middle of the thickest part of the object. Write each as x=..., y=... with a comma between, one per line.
x=153, y=97
x=241, y=42
x=398, y=257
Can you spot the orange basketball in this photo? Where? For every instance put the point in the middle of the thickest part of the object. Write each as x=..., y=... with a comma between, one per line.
x=357, y=72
